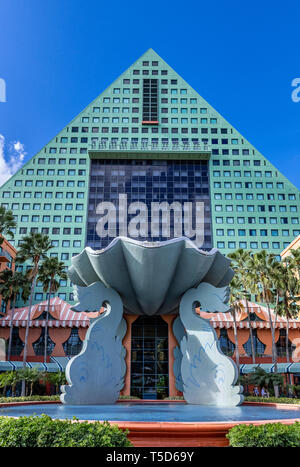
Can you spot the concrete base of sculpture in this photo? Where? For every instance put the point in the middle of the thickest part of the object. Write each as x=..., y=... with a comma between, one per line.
x=202, y=372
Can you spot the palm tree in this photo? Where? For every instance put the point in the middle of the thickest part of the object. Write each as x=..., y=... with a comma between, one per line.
x=48, y=271
x=11, y=284
x=241, y=259
x=237, y=306
x=31, y=375
x=263, y=379
x=262, y=266
x=294, y=262
x=289, y=305
x=33, y=248
x=7, y=223
x=10, y=378
x=5, y=286
x=58, y=379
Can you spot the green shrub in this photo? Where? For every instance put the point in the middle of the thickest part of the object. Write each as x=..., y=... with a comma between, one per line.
x=121, y=397
x=276, y=400
x=42, y=431
x=268, y=435
x=174, y=398
x=28, y=398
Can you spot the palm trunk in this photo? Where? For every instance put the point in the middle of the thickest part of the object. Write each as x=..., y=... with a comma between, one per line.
x=47, y=318
x=11, y=326
x=237, y=353
x=287, y=340
x=274, y=353
x=250, y=332
x=27, y=332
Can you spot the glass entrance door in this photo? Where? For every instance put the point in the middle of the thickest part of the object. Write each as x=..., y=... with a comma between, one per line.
x=149, y=358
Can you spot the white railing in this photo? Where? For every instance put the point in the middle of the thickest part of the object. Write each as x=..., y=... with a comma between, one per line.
x=106, y=146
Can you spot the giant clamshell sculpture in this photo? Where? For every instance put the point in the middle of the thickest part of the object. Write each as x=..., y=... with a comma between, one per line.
x=151, y=278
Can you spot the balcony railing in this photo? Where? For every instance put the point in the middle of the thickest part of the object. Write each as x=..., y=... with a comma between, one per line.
x=164, y=147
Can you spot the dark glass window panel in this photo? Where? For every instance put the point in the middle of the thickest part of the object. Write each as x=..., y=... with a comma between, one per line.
x=137, y=343
x=161, y=344
x=149, y=343
x=150, y=100
x=137, y=380
x=259, y=347
x=149, y=356
x=39, y=344
x=73, y=345
x=156, y=173
x=137, y=355
x=17, y=345
x=149, y=365
x=149, y=331
x=162, y=368
x=137, y=368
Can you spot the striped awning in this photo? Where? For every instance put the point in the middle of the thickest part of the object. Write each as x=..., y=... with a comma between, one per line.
x=60, y=312
x=56, y=364
x=61, y=315
x=225, y=320
x=269, y=368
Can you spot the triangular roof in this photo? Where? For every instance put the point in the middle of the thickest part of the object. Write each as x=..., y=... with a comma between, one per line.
x=151, y=56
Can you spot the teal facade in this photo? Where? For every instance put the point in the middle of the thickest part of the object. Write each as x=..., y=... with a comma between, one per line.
x=252, y=205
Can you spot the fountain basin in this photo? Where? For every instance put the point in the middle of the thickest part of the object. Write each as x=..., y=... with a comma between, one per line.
x=165, y=423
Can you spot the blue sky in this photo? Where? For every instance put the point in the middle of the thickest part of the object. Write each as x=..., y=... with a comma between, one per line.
x=57, y=55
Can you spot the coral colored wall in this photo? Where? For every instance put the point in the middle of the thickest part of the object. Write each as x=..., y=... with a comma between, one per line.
x=60, y=335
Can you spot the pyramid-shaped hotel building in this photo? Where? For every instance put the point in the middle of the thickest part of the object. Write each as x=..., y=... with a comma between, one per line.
x=151, y=139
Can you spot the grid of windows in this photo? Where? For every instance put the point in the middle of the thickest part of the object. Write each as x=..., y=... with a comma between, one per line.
x=147, y=182
x=149, y=358
x=150, y=100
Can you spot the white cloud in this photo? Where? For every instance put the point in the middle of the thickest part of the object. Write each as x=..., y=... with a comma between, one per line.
x=11, y=158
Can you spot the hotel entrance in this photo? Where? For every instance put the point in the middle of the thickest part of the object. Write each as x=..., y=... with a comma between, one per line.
x=149, y=358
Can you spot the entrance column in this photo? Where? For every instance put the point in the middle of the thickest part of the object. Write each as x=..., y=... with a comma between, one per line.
x=173, y=392
x=127, y=344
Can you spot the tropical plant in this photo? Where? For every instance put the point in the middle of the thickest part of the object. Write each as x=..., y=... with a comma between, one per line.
x=237, y=307
x=49, y=271
x=10, y=378
x=294, y=262
x=241, y=259
x=11, y=284
x=33, y=248
x=261, y=378
x=288, y=290
x=7, y=224
x=29, y=375
x=263, y=267
x=58, y=378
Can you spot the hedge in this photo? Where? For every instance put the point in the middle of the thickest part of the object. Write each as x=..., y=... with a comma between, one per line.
x=276, y=400
x=34, y=431
x=267, y=435
x=4, y=400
